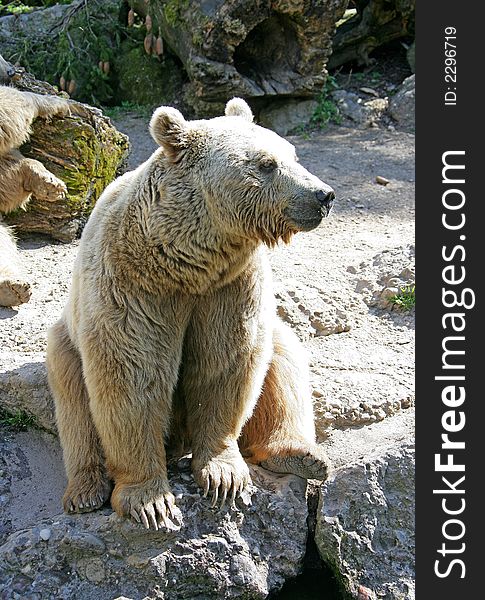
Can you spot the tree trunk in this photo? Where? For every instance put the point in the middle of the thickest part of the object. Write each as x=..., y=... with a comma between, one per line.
x=83, y=150
x=257, y=49
x=376, y=23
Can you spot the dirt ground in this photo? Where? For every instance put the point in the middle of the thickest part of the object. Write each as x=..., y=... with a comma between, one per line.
x=328, y=285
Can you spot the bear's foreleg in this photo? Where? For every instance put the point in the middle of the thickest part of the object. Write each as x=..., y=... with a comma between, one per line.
x=280, y=435
x=227, y=350
x=130, y=368
x=14, y=290
x=89, y=486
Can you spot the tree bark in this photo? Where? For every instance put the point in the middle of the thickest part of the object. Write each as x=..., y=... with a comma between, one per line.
x=257, y=49
x=83, y=150
x=376, y=23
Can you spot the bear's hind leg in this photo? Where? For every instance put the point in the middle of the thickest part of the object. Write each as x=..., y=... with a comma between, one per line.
x=13, y=289
x=280, y=435
x=88, y=484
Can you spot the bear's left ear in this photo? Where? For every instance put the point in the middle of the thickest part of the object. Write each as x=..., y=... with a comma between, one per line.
x=237, y=107
x=169, y=129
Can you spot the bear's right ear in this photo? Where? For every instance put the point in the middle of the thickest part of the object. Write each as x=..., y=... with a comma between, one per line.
x=169, y=129
x=237, y=107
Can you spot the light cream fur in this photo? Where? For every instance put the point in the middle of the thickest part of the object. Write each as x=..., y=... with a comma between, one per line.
x=170, y=339
x=21, y=177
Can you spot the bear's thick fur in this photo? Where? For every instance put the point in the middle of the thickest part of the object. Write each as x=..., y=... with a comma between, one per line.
x=170, y=337
x=21, y=177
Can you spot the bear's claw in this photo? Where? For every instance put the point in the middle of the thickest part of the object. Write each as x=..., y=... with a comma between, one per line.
x=86, y=495
x=149, y=503
x=226, y=474
x=156, y=515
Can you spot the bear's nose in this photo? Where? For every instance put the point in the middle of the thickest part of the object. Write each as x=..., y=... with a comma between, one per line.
x=325, y=198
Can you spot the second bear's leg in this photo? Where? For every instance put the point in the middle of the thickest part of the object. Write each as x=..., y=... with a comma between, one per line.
x=281, y=433
x=88, y=483
x=14, y=290
x=226, y=353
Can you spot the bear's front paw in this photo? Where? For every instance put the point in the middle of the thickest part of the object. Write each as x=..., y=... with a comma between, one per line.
x=150, y=503
x=224, y=474
x=50, y=189
x=86, y=492
x=14, y=292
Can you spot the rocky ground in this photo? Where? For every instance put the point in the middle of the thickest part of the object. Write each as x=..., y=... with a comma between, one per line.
x=333, y=285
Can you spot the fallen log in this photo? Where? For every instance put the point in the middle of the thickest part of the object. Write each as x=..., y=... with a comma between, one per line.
x=375, y=23
x=257, y=49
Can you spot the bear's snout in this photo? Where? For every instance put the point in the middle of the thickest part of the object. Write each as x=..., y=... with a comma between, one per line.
x=307, y=211
x=325, y=199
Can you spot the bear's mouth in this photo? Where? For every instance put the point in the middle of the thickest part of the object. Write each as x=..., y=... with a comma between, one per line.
x=307, y=220
x=307, y=224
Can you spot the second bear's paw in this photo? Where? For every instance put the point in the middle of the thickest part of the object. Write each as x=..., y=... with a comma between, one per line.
x=50, y=189
x=14, y=292
x=224, y=475
x=150, y=503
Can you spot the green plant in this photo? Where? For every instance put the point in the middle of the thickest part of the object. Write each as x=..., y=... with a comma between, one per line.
x=78, y=53
x=326, y=111
x=18, y=7
x=20, y=420
x=173, y=10
x=406, y=298
x=127, y=107
x=302, y=130
x=369, y=78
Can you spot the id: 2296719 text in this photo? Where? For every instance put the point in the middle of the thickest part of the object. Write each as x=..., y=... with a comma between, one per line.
x=450, y=67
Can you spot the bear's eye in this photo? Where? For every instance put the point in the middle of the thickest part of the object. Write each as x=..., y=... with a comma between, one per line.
x=267, y=165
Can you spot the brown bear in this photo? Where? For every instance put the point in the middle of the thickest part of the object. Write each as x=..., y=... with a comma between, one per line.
x=21, y=177
x=170, y=338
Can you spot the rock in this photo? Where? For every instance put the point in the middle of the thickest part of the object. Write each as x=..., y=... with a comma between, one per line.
x=347, y=446
x=310, y=312
x=386, y=275
x=356, y=398
x=411, y=57
x=365, y=522
x=24, y=388
x=6, y=71
x=45, y=534
x=359, y=112
x=402, y=105
x=287, y=116
x=242, y=552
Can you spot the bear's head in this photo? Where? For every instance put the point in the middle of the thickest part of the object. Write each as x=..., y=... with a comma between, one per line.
x=250, y=179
